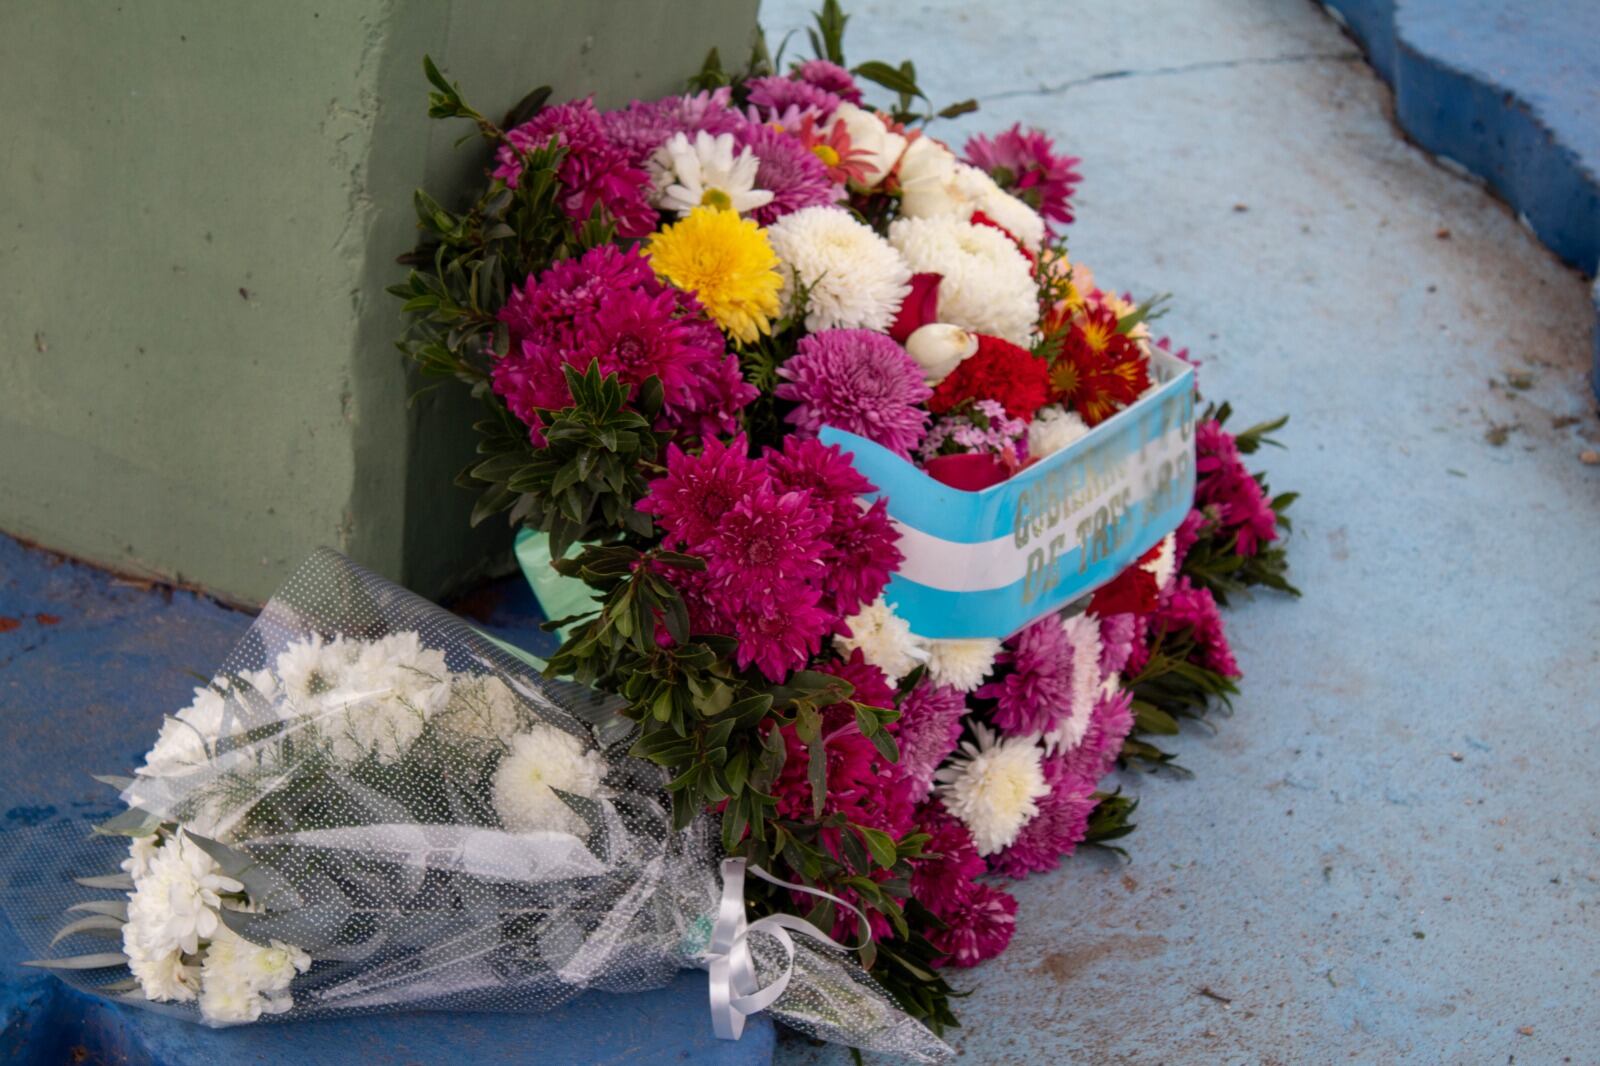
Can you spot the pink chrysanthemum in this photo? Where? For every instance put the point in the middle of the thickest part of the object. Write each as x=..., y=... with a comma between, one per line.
x=698, y=490
x=830, y=77
x=776, y=93
x=944, y=880
x=644, y=125
x=1037, y=692
x=789, y=170
x=1188, y=532
x=1026, y=164
x=929, y=730
x=856, y=380
x=979, y=928
x=1102, y=743
x=1056, y=831
x=593, y=172
x=1118, y=635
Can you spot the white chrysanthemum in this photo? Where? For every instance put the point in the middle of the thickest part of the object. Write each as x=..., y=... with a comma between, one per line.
x=1083, y=634
x=482, y=707
x=986, y=284
x=141, y=850
x=707, y=171
x=884, y=639
x=185, y=740
x=962, y=664
x=879, y=148
x=163, y=976
x=383, y=696
x=981, y=193
x=854, y=279
x=541, y=760
x=1164, y=564
x=994, y=787
x=174, y=905
x=240, y=980
x=1054, y=428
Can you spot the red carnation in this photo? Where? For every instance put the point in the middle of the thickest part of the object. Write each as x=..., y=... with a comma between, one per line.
x=1013, y=377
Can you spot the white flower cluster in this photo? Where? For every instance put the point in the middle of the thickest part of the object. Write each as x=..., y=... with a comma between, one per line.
x=364, y=697
x=1053, y=428
x=935, y=184
x=886, y=641
x=241, y=980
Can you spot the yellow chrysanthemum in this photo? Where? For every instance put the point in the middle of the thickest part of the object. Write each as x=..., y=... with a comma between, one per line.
x=727, y=263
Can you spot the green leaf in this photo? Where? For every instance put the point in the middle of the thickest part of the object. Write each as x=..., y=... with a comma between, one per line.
x=101, y=924
x=888, y=77
x=881, y=845
x=103, y=961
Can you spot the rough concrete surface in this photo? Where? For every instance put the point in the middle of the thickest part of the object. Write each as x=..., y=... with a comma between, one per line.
x=1389, y=852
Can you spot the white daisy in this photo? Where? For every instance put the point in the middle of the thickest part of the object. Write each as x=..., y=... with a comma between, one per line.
x=706, y=172
x=986, y=284
x=884, y=638
x=854, y=279
x=994, y=787
x=541, y=760
x=1054, y=428
x=961, y=664
x=174, y=905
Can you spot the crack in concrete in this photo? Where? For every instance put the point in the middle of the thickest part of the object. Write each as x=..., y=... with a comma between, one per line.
x=1188, y=68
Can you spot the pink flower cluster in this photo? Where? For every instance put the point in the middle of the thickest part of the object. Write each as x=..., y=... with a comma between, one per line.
x=985, y=429
x=1025, y=163
x=609, y=306
x=1228, y=493
x=595, y=171
x=789, y=553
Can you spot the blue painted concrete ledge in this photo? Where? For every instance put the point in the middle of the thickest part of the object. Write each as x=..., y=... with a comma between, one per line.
x=1510, y=91
x=88, y=665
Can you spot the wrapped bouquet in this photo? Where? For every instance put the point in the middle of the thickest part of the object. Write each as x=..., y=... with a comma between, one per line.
x=892, y=528
x=372, y=806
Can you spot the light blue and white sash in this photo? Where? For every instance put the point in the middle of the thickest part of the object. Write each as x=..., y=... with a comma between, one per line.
x=985, y=564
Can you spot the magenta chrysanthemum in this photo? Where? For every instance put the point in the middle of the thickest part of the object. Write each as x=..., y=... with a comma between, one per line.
x=929, y=730
x=1183, y=606
x=830, y=77
x=608, y=306
x=1027, y=165
x=944, y=880
x=1037, y=692
x=644, y=125
x=766, y=543
x=698, y=490
x=777, y=93
x=856, y=380
x=794, y=175
x=1056, y=831
x=1229, y=491
x=978, y=928
x=862, y=544
x=1118, y=634
x=593, y=172
x=780, y=631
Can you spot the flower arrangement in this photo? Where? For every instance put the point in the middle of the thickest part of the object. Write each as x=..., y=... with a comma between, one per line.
x=669, y=310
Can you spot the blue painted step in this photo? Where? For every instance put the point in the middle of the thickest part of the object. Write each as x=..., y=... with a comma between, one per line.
x=1508, y=89
x=88, y=665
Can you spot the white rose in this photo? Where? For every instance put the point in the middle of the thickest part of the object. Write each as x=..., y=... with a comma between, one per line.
x=939, y=348
x=928, y=186
x=869, y=135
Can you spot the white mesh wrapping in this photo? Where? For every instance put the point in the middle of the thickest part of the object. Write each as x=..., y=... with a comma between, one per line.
x=377, y=774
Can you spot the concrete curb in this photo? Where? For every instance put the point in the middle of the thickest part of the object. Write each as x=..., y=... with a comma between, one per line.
x=1499, y=90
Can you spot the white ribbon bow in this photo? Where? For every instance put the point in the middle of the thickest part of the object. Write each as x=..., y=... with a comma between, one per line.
x=735, y=993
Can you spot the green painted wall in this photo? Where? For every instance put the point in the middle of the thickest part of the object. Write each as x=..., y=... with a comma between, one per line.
x=200, y=207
